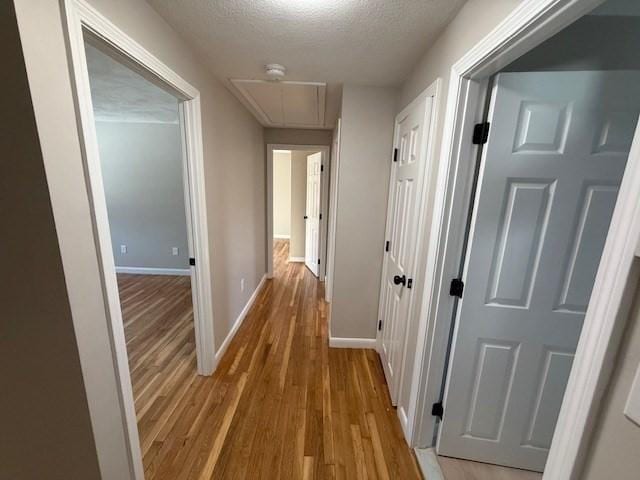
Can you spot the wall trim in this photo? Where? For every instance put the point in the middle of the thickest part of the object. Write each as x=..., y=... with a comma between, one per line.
x=296, y=259
x=239, y=320
x=337, y=342
x=530, y=23
x=154, y=271
x=79, y=16
x=282, y=237
x=324, y=201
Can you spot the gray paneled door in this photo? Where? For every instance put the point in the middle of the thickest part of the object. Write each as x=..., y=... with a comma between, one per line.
x=550, y=174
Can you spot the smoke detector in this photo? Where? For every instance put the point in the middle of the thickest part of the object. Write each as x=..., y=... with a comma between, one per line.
x=275, y=71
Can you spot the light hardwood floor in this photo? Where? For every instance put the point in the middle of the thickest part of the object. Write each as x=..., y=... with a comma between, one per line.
x=456, y=469
x=281, y=404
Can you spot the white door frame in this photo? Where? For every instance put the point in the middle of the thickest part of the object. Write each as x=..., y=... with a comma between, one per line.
x=324, y=149
x=80, y=16
x=334, y=172
x=532, y=22
x=431, y=92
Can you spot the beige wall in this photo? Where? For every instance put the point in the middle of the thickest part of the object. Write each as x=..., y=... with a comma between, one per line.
x=44, y=414
x=297, y=136
x=368, y=115
x=474, y=21
x=616, y=439
x=282, y=194
x=234, y=163
x=235, y=191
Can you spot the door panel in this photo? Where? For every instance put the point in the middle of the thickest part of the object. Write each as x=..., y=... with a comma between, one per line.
x=312, y=225
x=405, y=191
x=549, y=179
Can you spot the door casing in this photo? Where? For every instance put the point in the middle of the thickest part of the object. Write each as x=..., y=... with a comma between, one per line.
x=324, y=201
x=532, y=22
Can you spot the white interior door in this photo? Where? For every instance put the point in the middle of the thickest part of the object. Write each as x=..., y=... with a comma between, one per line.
x=551, y=169
x=405, y=193
x=312, y=217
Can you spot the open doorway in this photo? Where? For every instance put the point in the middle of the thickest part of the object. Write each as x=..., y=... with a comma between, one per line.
x=559, y=125
x=297, y=206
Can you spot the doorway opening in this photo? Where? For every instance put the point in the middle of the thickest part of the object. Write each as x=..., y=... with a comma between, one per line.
x=559, y=128
x=297, y=199
x=139, y=133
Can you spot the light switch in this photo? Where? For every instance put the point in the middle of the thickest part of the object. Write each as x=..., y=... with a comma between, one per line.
x=174, y=250
x=123, y=249
x=632, y=408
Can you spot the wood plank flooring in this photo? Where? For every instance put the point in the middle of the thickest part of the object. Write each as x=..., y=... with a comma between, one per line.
x=281, y=404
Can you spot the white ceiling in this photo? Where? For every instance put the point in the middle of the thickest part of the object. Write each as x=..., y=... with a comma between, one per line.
x=373, y=42
x=121, y=95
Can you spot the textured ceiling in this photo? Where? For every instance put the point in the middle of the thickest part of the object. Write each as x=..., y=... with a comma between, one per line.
x=369, y=42
x=121, y=95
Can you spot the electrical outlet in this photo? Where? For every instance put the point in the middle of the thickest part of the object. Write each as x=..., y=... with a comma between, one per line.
x=123, y=249
x=242, y=284
x=174, y=251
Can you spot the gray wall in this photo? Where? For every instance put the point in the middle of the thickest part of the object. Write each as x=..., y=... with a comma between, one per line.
x=142, y=174
x=297, y=136
x=44, y=415
x=234, y=172
x=615, y=442
x=368, y=115
x=594, y=42
x=235, y=169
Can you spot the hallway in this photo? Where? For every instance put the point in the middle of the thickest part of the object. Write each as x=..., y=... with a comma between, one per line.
x=281, y=404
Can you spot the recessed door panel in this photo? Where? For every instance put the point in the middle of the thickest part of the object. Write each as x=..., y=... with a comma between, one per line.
x=405, y=190
x=549, y=178
x=524, y=220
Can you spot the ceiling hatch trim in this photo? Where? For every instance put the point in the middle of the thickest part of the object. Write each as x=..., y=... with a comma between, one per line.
x=289, y=104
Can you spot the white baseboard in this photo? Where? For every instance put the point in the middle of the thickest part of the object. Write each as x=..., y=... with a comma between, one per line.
x=296, y=259
x=404, y=423
x=154, y=271
x=236, y=325
x=337, y=342
x=282, y=237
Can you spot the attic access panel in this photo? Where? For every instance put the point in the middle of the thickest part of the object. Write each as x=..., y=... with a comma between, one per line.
x=284, y=104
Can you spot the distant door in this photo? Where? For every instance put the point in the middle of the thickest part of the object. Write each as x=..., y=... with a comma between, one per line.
x=312, y=217
x=555, y=157
x=405, y=193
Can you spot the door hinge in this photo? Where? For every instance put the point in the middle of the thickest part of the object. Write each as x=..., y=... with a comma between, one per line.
x=456, y=288
x=387, y=245
x=322, y=168
x=318, y=261
x=395, y=154
x=481, y=133
x=410, y=283
x=380, y=325
x=320, y=217
x=192, y=261
x=437, y=410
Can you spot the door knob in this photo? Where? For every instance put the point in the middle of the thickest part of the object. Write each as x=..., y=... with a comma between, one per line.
x=400, y=280
x=305, y=217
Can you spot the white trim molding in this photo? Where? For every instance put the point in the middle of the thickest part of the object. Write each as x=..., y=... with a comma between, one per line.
x=368, y=343
x=296, y=259
x=185, y=272
x=531, y=22
x=80, y=18
x=281, y=237
x=324, y=203
x=236, y=325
